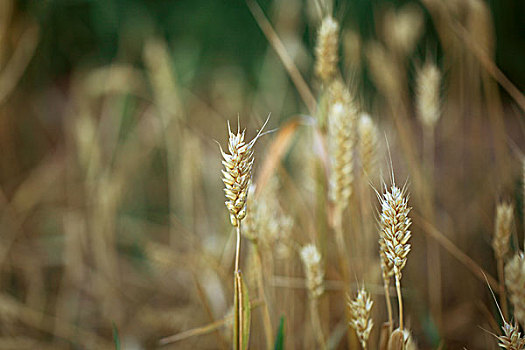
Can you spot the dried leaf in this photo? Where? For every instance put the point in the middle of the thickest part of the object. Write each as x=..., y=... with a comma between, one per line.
x=241, y=329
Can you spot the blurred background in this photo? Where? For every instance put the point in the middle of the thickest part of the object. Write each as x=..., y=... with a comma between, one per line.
x=113, y=229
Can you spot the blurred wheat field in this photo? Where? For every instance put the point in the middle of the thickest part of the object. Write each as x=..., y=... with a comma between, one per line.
x=373, y=170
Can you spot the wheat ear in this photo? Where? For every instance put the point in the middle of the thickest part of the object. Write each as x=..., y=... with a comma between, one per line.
x=395, y=234
x=515, y=282
x=428, y=104
x=511, y=338
x=500, y=244
x=326, y=49
x=361, y=308
x=236, y=177
x=314, y=279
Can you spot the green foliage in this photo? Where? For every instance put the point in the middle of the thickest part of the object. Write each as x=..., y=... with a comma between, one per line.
x=279, y=340
x=116, y=338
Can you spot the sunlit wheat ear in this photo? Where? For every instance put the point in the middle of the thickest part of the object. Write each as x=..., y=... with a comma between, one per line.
x=237, y=173
x=326, y=49
x=511, y=338
x=368, y=132
x=502, y=231
x=361, y=309
x=394, y=236
x=395, y=225
x=515, y=282
x=339, y=93
x=341, y=130
x=313, y=269
x=428, y=96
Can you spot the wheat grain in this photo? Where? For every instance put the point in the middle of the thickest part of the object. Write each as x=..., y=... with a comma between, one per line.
x=361, y=309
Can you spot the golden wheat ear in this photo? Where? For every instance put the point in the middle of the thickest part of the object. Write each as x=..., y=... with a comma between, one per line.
x=511, y=338
x=361, y=309
x=326, y=50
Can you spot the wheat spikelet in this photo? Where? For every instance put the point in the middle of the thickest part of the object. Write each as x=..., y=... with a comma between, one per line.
x=515, y=282
x=361, y=309
x=237, y=174
x=511, y=338
x=502, y=231
x=326, y=50
x=428, y=98
x=341, y=131
x=395, y=225
x=314, y=271
x=368, y=144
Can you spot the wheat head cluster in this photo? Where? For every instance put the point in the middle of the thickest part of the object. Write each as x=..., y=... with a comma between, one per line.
x=367, y=192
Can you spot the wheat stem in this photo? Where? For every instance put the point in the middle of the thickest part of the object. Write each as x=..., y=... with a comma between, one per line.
x=237, y=248
x=388, y=307
x=399, y=300
x=341, y=246
x=502, y=293
x=316, y=323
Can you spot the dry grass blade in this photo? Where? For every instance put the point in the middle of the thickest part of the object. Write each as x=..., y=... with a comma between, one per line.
x=396, y=341
x=194, y=332
x=276, y=152
x=298, y=80
x=204, y=329
x=241, y=329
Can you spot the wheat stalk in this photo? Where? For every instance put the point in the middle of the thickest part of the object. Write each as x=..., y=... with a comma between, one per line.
x=394, y=236
x=361, y=308
x=236, y=177
x=326, y=50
